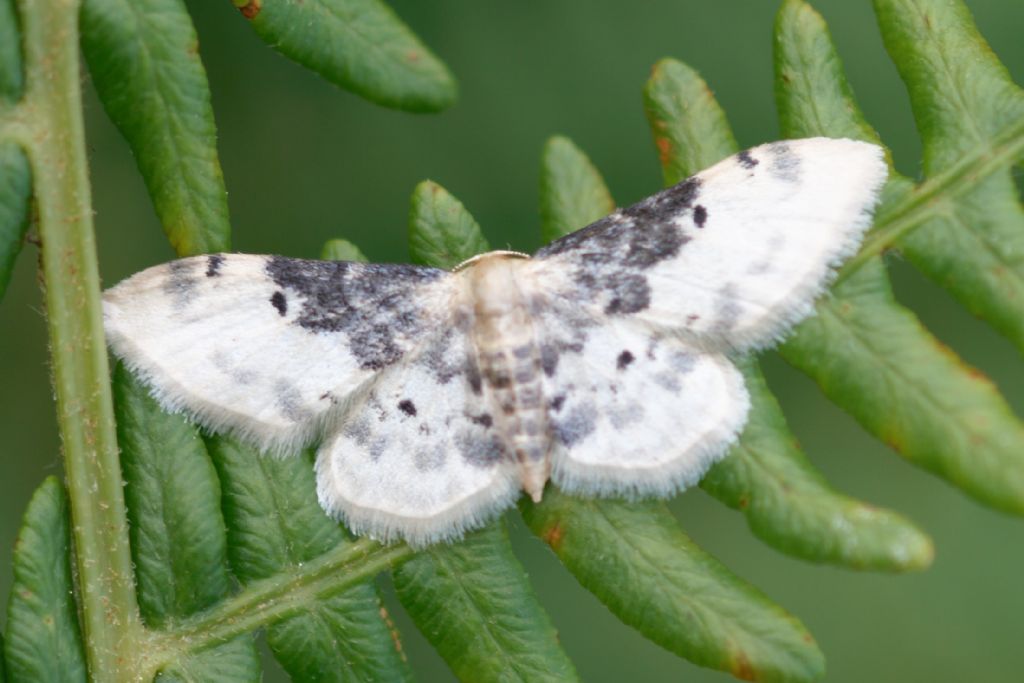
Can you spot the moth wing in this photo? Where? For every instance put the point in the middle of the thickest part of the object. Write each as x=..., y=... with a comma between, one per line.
x=634, y=412
x=416, y=456
x=265, y=346
x=733, y=256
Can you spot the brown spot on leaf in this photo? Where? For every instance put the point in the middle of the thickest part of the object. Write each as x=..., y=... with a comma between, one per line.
x=412, y=56
x=553, y=536
x=664, y=150
x=395, y=635
x=893, y=443
x=250, y=9
x=742, y=669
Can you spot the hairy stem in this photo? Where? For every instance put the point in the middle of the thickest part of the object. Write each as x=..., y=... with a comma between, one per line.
x=51, y=115
x=280, y=596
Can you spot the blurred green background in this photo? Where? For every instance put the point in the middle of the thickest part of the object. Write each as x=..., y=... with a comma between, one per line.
x=305, y=162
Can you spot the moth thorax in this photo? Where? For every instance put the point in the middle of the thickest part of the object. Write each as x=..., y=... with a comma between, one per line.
x=493, y=284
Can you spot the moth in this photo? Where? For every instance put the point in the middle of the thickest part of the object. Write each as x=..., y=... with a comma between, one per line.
x=602, y=362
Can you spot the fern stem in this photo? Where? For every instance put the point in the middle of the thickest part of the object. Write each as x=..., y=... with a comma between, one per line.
x=920, y=204
x=55, y=144
x=282, y=595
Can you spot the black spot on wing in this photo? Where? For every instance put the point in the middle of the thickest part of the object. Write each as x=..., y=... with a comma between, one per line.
x=700, y=215
x=746, y=160
x=372, y=304
x=213, y=264
x=557, y=402
x=278, y=301
x=624, y=359
x=407, y=407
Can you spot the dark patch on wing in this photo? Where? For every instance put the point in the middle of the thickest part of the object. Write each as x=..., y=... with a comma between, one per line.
x=476, y=383
x=407, y=407
x=360, y=432
x=626, y=414
x=551, y=352
x=629, y=294
x=222, y=360
x=213, y=264
x=669, y=381
x=624, y=359
x=438, y=356
x=289, y=401
x=372, y=304
x=700, y=215
x=180, y=284
x=278, y=301
x=682, y=362
x=746, y=160
x=775, y=244
x=785, y=163
x=611, y=254
x=577, y=425
x=727, y=309
x=666, y=205
x=479, y=450
x=523, y=352
x=429, y=458
x=557, y=402
x=548, y=359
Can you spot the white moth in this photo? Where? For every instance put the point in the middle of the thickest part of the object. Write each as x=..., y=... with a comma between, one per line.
x=601, y=362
